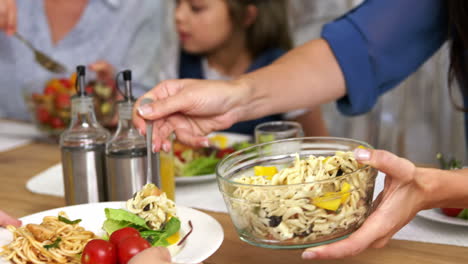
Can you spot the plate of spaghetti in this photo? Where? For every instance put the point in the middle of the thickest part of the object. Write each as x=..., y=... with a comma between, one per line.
x=60, y=235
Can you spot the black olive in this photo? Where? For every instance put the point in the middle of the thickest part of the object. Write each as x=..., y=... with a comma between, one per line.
x=339, y=173
x=150, y=239
x=275, y=220
x=147, y=207
x=308, y=232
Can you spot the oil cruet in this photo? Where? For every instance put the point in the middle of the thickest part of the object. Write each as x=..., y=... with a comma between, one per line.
x=126, y=150
x=83, y=150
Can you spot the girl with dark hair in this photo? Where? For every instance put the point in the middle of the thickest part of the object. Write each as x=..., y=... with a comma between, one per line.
x=222, y=39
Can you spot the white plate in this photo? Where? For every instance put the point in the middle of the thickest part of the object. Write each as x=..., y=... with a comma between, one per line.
x=438, y=216
x=233, y=138
x=205, y=239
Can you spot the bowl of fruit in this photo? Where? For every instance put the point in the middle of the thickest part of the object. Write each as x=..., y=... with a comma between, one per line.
x=49, y=102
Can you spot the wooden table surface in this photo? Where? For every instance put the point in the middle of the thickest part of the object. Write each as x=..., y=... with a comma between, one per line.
x=20, y=164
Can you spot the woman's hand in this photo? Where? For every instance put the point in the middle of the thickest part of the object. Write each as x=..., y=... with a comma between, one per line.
x=8, y=16
x=104, y=70
x=403, y=196
x=8, y=220
x=156, y=255
x=192, y=109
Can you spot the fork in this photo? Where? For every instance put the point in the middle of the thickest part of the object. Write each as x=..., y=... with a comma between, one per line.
x=42, y=59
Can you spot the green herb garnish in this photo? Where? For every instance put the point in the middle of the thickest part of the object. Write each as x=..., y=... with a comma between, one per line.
x=53, y=245
x=68, y=221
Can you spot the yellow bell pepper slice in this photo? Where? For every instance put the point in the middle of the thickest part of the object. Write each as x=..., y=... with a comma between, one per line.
x=333, y=200
x=345, y=190
x=174, y=238
x=268, y=172
x=220, y=141
x=329, y=201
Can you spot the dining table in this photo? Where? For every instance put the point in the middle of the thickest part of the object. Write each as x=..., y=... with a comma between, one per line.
x=18, y=165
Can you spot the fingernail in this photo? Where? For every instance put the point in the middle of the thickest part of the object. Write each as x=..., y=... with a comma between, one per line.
x=140, y=131
x=154, y=149
x=309, y=255
x=362, y=154
x=145, y=110
x=205, y=143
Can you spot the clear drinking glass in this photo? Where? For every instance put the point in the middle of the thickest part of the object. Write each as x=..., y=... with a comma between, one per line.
x=277, y=130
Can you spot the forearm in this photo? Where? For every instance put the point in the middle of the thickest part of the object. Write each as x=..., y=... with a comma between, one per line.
x=444, y=188
x=303, y=78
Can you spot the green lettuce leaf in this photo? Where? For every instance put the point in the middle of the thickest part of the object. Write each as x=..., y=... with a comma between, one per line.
x=200, y=166
x=120, y=218
x=158, y=238
x=121, y=215
x=463, y=214
x=112, y=225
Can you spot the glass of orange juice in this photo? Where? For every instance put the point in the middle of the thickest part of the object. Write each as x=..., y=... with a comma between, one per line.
x=166, y=161
x=167, y=174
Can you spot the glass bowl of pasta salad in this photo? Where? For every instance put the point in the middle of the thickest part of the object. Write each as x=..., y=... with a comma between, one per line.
x=298, y=192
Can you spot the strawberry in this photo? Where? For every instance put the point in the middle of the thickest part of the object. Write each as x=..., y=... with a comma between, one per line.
x=62, y=101
x=56, y=122
x=66, y=83
x=49, y=90
x=42, y=114
x=453, y=212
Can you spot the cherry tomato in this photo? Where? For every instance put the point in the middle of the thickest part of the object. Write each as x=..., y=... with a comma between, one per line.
x=178, y=154
x=89, y=89
x=451, y=211
x=224, y=152
x=99, y=251
x=121, y=234
x=129, y=247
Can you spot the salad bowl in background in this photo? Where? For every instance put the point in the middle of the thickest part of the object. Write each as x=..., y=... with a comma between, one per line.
x=49, y=102
x=295, y=215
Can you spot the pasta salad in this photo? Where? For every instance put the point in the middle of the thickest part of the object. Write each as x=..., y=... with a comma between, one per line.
x=314, y=199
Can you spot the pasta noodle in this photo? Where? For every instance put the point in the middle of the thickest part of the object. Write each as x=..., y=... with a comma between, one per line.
x=53, y=241
x=152, y=205
x=308, y=201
